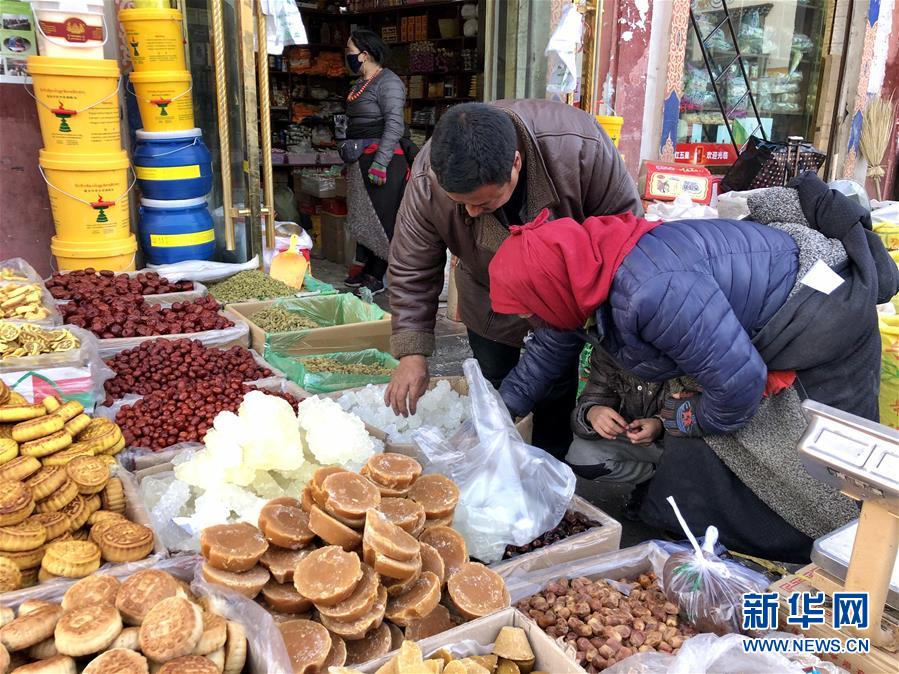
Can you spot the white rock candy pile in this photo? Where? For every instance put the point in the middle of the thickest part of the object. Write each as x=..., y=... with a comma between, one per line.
x=262, y=452
x=440, y=407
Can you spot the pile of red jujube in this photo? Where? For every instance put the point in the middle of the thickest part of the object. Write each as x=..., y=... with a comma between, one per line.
x=129, y=315
x=183, y=412
x=572, y=523
x=88, y=283
x=158, y=363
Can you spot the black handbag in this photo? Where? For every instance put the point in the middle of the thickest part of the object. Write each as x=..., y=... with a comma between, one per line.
x=770, y=163
x=350, y=150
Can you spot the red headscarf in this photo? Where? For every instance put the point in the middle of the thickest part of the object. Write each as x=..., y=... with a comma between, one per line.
x=561, y=270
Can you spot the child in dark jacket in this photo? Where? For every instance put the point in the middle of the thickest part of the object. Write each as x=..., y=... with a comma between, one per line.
x=617, y=425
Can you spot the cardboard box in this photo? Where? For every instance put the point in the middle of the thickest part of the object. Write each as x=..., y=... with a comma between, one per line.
x=665, y=182
x=875, y=662
x=334, y=237
x=597, y=541
x=477, y=637
x=333, y=339
x=320, y=186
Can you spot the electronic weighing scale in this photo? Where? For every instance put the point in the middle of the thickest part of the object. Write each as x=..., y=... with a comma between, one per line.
x=861, y=459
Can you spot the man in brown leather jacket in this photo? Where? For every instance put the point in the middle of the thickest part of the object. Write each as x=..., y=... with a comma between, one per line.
x=487, y=167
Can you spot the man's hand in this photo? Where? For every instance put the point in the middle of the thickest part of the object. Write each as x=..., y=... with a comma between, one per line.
x=408, y=383
x=606, y=421
x=644, y=431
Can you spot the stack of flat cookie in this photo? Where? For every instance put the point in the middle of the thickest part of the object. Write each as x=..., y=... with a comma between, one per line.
x=148, y=622
x=61, y=514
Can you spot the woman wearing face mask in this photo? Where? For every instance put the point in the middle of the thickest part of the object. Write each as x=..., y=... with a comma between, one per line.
x=378, y=154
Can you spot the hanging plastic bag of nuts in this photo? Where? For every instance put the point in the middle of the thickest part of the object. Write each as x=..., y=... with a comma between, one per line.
x=708, y=589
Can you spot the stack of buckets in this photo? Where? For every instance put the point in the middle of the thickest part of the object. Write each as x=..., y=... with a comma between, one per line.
x=83, y=162
x=172, y=165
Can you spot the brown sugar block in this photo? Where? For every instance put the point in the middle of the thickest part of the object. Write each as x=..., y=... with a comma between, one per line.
x=392, y=568
x=349, y=495
x=360, y=602
x=416, y=602
x=30, y=629
x=387, y=492
x=403, y=512
x=437, y=621
x=27, y=535
x=171, y=629
x=318, y=480
x=281, y=563
x=328, y=575
x=438, y=522
x=306, y=500
x=189, y=664
x=437, y=494
x=284, y=597
x=358, y=628
x=59, y=664
x=86, y=630
x=386, y=538
x=46, y=481
x=215, y=633
x=96, y=589
x=395, y=471
x=308, y=645
x=248, y=583
x=337, y=654
x=433, y=562
x=142, y=591
x=449, y=545
x=232, y=547
x=125, y=542
x=354, y=523
x=331, y=531
x=477, y=591
x=16, y=502
x=396, y=636
x=118, y=661
x=375, y=644
x=286, y=526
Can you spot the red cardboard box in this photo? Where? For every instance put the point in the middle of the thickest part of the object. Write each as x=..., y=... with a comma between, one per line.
x=665, y=182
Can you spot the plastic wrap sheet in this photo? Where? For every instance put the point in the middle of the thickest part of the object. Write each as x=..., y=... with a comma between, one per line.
x=78, y=374
x=202, y=270
x=137, y=512
x=238, y=334
x=22, y=268
x=325, y=311
x=330, y=382
x=595, y=541
x=266, y=652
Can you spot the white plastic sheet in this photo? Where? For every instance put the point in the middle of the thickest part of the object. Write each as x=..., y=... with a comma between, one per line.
x=510, y=492
x=206, y=271
x=562, y=52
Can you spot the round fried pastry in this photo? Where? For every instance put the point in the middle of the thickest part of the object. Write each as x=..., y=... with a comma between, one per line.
x=128, y=638
x=142, y=591
x=89, y=474
x=215, y=633
x=20, y=468
x=328, y=575
x=31, y=628
x=189, y=664
x=27, y=535
x=10, y=575
x=55, y=442
x=125, y=541
x=113, y=496
x=100, y=515
x=232, y=547
x=235, y=649
x=46, y=481
x=96, y=589
x=56, y=523
x=75, y=425
x=171, y=629
x=42, y=651
x=58, y=499
x=118, y=661
x=16, y=502
x=26, y=559
x=308, y=645
x=286, y=526
x=88, y=629
x=34, y=429
x=59, y=664
x=76, y=511
x=72, y=559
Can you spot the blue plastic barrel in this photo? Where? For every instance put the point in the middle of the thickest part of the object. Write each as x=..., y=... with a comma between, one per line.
x=172, y=164
x=177, y=230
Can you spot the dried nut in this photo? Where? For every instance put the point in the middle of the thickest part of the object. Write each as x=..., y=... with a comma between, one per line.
x=664, y=647
x=637, y=638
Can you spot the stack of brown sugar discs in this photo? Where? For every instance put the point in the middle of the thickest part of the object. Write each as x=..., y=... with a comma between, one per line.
x=148, y=622
x=61, y=510
x=357, y=563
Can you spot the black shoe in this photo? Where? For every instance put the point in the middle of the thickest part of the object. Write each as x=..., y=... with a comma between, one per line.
x=354, y=281
x=374, y=286
x=635, y=501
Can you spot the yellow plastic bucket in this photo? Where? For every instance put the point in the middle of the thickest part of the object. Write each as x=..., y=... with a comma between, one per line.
x=612, y=126
x=164, y=100
x=115, y=255
x=77, y=104
x=153, y=38
x=88, y=195
x=888, y=233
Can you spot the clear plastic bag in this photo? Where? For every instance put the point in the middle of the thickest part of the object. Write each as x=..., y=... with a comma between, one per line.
x=25, y=271
x=202, y=270
x=316, y=381
x=708, y=590
x=78, y=374
x=712, y=654
x=511, y=492
x=238, y=334
x=20, y=267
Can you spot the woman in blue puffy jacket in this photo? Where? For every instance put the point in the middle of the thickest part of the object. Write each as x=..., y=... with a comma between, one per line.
x=730, y=304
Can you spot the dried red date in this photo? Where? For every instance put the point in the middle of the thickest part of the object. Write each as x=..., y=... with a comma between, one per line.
x=88, y=283
x=573, y=523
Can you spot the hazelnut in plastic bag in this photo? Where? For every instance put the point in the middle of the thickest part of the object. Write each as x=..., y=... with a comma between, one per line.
x=708, y=590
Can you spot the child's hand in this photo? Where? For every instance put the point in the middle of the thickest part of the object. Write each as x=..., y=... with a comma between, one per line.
x=606, y=421
x=644, y=431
